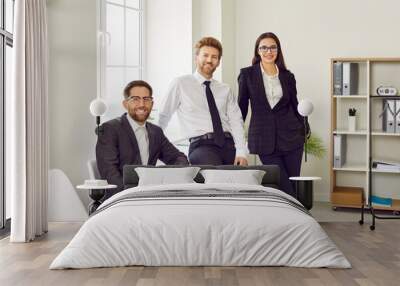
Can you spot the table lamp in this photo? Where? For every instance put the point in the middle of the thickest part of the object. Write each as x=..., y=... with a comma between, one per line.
x=97, y=109
x=305, y=108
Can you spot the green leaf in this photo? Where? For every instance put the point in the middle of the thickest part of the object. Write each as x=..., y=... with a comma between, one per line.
x=315, y=147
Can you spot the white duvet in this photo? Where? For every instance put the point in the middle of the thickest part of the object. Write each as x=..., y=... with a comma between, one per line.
x=200, y=231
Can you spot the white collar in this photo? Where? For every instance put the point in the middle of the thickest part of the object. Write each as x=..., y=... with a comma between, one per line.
x=270, y=76
x=135, y=126
x=200, y=78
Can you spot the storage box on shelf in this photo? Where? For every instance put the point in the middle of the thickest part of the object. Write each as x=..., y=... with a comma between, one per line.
x=347, y=197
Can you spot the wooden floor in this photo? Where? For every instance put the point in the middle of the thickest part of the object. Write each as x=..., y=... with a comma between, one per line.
x=375, y=257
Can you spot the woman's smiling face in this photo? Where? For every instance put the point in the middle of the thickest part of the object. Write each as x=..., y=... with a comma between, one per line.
x=268, y=50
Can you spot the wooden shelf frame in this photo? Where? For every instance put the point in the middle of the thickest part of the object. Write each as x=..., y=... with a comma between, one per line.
x=369, y=134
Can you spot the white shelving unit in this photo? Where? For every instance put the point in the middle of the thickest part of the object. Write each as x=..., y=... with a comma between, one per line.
x=351, y=96
x=369, y=142
x=347, y=132
x=380, y=133
x=354, y=168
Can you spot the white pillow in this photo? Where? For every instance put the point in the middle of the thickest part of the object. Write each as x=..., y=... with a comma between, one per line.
x=248, y=177
x=166, y=176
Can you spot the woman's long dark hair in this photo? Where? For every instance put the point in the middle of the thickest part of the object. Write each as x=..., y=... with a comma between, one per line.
x=280, y=61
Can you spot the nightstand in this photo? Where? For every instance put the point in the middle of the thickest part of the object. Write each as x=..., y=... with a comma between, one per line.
x=96, y=193
x=304, y=190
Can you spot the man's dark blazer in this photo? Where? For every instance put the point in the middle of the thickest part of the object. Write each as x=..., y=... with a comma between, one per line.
x=278, y=129
x=117, y=146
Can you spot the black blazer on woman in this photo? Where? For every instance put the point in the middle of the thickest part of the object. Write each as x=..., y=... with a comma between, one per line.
x=278, y=129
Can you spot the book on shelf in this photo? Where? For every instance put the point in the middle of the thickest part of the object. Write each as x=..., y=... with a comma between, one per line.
x=386, y=166
x=381, y=201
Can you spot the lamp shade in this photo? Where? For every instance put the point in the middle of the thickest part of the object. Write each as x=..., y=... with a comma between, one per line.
x=98, y=107
x=305, y=107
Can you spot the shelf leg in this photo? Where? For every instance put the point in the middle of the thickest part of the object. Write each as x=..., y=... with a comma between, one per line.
x=372, y=227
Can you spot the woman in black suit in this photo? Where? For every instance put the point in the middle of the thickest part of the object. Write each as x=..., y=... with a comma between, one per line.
x=276, y=131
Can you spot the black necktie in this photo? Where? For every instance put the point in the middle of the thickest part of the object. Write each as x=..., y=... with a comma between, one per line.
x=219, y=137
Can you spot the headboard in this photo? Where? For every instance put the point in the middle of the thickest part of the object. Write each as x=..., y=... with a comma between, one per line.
x=270, y=179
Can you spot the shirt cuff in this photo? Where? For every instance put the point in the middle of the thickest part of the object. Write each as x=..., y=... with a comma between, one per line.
x=242, y=152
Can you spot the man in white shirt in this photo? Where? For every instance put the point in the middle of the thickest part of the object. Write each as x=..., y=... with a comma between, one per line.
x=131, y=140
x=207, y=110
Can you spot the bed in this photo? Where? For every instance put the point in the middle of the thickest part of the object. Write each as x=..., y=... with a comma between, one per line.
x=198, y=224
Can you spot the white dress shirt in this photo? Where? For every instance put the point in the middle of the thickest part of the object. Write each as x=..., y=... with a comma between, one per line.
x=272, y=86
x=142, y=139
x=187, y=96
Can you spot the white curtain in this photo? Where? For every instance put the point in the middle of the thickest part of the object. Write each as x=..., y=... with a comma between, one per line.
x=27, y=122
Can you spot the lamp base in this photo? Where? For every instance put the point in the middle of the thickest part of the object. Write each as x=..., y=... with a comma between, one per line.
x=99, y=128
x=305, y=137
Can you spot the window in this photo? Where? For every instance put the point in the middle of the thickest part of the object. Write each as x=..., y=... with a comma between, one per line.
x=6, y=44
x=120, y=50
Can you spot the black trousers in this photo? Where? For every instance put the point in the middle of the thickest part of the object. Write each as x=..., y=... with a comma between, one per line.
x=206, y=152
x=290, y=165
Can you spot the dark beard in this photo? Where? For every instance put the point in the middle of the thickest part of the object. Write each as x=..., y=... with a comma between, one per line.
x=139, y=119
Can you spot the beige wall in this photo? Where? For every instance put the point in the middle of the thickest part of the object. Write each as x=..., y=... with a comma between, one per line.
x=312, y=32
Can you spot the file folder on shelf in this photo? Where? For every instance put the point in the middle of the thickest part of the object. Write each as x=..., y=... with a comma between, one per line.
x=397, y=116
x=389, y=111
x=337, y=78
x=350, y=78
x=339, y=150
x=386, y=166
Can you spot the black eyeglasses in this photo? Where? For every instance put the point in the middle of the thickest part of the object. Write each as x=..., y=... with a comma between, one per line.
x=264, y=49
x=137, y=99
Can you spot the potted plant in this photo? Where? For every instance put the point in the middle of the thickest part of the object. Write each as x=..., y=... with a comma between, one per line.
x=315, y=147
x=352, y=119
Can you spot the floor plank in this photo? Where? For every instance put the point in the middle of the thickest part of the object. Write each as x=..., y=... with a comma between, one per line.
x=375, y=257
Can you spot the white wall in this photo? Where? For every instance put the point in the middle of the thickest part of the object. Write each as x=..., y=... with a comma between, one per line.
x=228, y=40
x=72, y=85
x=206, y=19
x=216, y=18
x=72, y=72
x=312, y=32
x=168, y=49
x=207, y=23
x=181, y=23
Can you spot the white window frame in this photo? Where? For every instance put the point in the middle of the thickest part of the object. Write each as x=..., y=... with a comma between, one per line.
x=6, y=40
x=103, y=40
